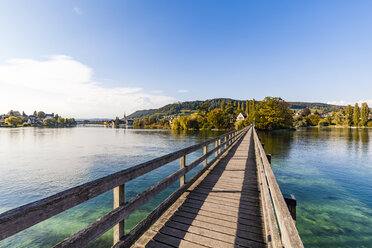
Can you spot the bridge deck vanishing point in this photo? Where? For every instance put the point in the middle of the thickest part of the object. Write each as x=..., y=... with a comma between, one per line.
x=222, y=209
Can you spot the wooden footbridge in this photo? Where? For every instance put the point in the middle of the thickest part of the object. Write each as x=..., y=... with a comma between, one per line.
x=233, y=201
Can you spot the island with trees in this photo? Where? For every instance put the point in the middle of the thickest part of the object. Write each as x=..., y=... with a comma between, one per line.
x=37, y=119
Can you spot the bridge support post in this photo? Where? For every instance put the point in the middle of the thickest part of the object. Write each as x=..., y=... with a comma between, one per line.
x=225, y=141
x=119, y=199
x=215, y=145
x=219, y=143
x=291, y=202
x=205, y=152
x=183, y=165
x=268, y=157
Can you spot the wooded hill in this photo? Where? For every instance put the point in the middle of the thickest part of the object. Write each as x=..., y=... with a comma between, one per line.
x=185, y=108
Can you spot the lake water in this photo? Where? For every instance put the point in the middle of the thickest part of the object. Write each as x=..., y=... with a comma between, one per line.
x=39, y=162
x=328, y=170
x=330, y=173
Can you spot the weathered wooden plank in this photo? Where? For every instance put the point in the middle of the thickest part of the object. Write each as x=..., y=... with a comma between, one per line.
x=217, y=228
x=289, y=233
x=176, y=242
x=195, y=238
x=227, y=197
x=119, y=199
x=246, y=220
x=224, y=202
x=226, y=221
x=271, y=230
x=223, y=234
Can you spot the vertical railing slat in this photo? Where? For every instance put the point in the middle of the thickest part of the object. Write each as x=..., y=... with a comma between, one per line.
x=119, y=199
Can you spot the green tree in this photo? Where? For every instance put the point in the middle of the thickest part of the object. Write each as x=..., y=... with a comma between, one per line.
x=273, y=113
x=50, y=122
x=223, y=105
x=247, y=107
x=349, y=115
x=61, y=121
x=339, y=119
x=41, y=115
x=252, y=112
x=364, y=113
x=203, y=109
x=217, y=119
x=356, y=115
x=14, y=113
x=117, y=122
x=138, y=123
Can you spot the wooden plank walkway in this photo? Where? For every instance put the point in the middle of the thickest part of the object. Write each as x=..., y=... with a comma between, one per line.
x=222, y=209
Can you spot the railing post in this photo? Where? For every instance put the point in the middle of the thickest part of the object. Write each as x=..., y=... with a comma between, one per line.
x=119, y=199
x=215, y=145
x=268, y=157
x=225, y=141
x=205, y=152
x=291, y=202
x=183, y=165
x=219, y=143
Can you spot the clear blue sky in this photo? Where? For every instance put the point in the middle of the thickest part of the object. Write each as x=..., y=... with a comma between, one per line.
x=186, y=50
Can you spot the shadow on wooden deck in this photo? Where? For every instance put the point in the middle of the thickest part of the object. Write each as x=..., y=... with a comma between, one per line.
x=223, y=210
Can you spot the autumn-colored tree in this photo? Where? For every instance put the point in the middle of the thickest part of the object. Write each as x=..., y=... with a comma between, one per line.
x=314, y=119
x=305, y=112
x=13, y=120
x=273, y=113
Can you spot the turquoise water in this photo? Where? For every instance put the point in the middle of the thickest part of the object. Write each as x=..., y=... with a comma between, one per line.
x=328, y=170
x=330, y=173
x=37, y=162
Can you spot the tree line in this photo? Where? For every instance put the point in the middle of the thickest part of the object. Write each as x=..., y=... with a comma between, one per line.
x=271, y=113
x=348, y=117
x=38, y=118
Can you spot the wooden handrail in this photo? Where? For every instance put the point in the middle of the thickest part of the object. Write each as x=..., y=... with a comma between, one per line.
x=280, y=228
x=18, y=219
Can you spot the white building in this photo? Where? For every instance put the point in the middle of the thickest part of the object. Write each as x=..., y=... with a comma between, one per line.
x=240, y=117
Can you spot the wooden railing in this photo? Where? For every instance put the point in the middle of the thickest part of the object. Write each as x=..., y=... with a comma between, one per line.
x=280, y=228
x=21, y=218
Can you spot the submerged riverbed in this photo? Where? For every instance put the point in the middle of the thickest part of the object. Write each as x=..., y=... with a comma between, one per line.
x=328, y=170
x=330, y=173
